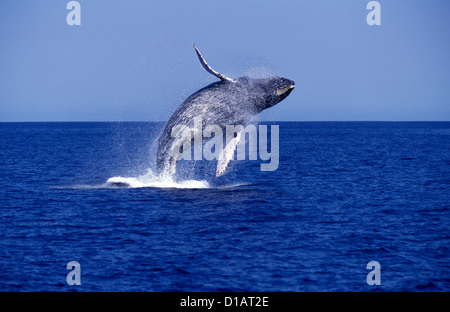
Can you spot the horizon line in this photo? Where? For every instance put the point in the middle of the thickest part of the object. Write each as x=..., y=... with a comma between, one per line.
x=136, y=121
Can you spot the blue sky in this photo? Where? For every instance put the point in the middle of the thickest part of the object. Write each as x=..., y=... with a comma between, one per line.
x=134, y=61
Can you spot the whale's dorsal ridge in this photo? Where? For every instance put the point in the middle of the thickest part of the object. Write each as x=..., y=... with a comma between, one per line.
x=209, y=69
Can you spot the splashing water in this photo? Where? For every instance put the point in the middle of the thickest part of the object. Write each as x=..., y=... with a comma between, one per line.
x=152, y=180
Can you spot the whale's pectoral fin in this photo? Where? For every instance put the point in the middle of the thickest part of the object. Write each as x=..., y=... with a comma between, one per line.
x=209, y=69
x=226, y=155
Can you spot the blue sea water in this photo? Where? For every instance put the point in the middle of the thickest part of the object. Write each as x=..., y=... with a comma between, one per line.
x=345, y=193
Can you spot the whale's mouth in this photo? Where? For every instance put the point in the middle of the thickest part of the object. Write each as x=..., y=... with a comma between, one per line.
x=286, y=89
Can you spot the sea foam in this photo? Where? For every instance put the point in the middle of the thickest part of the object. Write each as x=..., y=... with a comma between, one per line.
x=152, y=180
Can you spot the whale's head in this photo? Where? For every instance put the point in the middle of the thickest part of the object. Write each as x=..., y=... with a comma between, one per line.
x=267, y=92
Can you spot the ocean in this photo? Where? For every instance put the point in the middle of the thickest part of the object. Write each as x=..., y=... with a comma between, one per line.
x=344, y=194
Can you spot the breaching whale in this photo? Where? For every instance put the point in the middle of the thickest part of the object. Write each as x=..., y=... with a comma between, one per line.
x=226, y=102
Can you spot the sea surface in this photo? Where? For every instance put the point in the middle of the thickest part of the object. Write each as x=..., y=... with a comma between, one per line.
x=344, y=194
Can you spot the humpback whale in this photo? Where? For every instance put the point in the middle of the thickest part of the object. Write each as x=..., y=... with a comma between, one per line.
x=226, y=102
